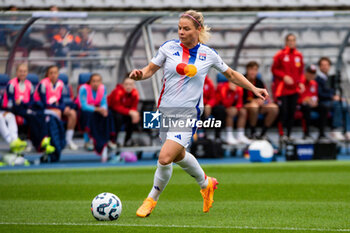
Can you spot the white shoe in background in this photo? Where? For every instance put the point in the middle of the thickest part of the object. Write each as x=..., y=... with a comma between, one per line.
x=244, y=139
x=347, y=136
x=231, y=140
x=104, y=155
x=337, y=135
x=72, y=145
x=112, y=145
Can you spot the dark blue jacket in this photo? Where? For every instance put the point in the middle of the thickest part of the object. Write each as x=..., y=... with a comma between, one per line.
x=325, y=89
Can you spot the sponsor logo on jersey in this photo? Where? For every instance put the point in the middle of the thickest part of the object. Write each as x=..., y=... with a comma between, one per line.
x=176, y=54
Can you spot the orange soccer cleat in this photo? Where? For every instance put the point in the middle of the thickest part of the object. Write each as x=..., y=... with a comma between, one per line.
x=146, y=208
x=208, y=194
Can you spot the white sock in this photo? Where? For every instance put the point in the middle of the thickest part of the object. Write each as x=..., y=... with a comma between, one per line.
x=229, y=132
x=161, y=179
x=104, y=153
x=12, y=125
x=240, y=132
x=190, y=165
x=4, y=130
x=69, y=135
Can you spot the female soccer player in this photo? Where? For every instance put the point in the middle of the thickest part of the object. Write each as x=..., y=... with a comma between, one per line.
x=186, y=62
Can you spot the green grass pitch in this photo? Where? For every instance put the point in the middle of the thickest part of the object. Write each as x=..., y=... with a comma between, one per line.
x=277, y=197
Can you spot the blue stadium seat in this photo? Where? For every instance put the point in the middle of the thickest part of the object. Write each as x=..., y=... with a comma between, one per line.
x=64, y=78
x=220, y=78
x=33, y=78
x=4, y=79
x=83, y=78
x=67, y=90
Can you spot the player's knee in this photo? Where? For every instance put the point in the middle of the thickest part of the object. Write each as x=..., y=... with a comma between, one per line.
x=59, y=114
x=243, y=112
x=9, y=116
x=252, y=106
x=231, y=111
x=165, y=159
x=73, y=113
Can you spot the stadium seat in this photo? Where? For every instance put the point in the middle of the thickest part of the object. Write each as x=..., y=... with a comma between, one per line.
x=158, y=39
x=94, y=3
x=116, y=38
x=64, y=78
x=116, y=3
x=4, y=79
x=272, y=38
x=220, y=78
x=75, y=3
x=172, y=35
x=74, y=77
x=105, y=74
x=216, y=39
x=232, y=38
x=42, y=55
x=33, y=78
x=67, y=91
x=83, y=78
x=254, y=38
x=310, y=37
x=99, y=39
x=59, y=3
x=137, y=3
x=330, y=37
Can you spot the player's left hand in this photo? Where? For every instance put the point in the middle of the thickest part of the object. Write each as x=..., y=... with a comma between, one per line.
x=301, y=87
x=261, y=93
x=136, y=75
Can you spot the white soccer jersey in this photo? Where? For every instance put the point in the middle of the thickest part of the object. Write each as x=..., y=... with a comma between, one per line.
x=184, y=73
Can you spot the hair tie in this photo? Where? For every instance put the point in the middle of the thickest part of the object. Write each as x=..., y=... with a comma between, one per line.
x=192, y=18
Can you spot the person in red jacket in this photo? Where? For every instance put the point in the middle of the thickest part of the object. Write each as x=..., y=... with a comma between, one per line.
x=308, y=101
x=208, y=96
x=231, y=97
x=287, y=70
x=123, y=102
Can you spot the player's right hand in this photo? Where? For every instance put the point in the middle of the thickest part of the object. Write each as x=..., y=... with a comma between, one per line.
x=288, y=80
x=136, y=75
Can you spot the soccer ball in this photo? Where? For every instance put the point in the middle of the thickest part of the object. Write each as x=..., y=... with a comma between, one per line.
x=106, y=207
x=260, y=151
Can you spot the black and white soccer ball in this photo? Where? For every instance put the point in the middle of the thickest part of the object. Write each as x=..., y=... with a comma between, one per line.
x=106, y=207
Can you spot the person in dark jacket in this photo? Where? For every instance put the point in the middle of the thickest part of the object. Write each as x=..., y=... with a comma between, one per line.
x=123, y=103
x=309, y=101
x=329, y=97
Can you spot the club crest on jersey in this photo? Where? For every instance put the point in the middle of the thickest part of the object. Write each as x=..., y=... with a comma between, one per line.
x=202, y=56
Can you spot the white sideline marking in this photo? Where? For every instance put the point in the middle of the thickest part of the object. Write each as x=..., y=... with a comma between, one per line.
x=180, y=226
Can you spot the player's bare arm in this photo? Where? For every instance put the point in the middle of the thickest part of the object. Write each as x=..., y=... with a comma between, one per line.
x=240, y=80
x=145, y=73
